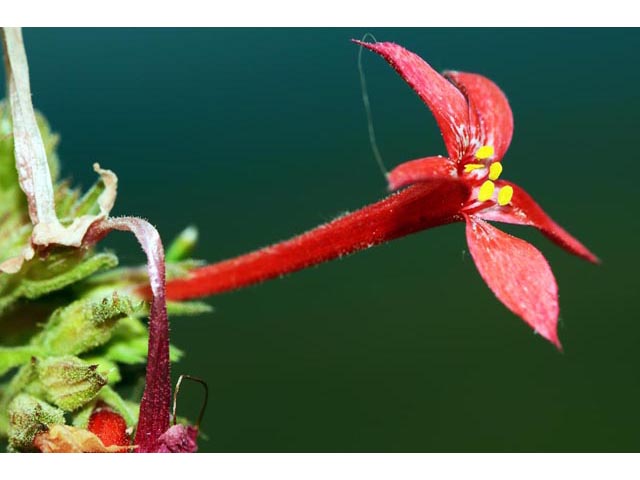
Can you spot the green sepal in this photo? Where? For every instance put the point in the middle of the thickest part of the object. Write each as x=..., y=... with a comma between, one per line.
x=66, y=198
x=29, y=416
x=88, y=203
x=107, y=368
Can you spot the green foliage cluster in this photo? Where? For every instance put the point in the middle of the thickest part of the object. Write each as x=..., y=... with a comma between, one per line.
x=72, y=329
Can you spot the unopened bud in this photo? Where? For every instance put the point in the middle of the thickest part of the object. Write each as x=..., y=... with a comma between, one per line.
x=68, y=382
x=29, y=416
x=85, y=324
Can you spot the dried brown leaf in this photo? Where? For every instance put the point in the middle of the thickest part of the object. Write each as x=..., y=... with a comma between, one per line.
x=68, y=439
x=33, y=169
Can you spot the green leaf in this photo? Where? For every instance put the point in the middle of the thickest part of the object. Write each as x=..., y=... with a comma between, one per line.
x=188, y=308
x=182, y=245
x=41, y=277
x=135, y=351
x=32, y=288
x=11, y=357
x=20, y=381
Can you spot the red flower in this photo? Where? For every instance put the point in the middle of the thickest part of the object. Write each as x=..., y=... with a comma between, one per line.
x=477, y=124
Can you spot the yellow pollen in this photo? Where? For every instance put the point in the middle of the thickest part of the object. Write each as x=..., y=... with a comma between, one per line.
x=504, y=195
x=495, y=170
x=486, y=191
x=470, y=167
x=484, y=152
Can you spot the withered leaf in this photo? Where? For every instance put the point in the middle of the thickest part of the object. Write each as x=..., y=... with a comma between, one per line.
x=68, y=439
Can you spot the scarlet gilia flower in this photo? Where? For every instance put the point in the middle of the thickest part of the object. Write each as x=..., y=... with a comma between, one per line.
x=477, y=125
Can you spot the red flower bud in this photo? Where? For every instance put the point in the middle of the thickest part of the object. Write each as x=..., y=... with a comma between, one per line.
x=109, y=426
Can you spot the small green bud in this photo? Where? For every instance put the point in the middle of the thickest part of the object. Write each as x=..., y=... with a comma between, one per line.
x=68, y=382
x=84, y=325
x=28, y=416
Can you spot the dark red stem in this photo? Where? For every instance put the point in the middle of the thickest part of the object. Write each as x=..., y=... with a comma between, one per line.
x=416, y=208
x=153, y=420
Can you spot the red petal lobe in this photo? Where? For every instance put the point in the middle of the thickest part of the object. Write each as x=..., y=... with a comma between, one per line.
x=448, y=105
x=523, y=210
x=490, y=106
x=518, y=274
x=421, y=170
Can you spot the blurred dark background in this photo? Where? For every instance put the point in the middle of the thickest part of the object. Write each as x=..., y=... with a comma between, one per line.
x=255, y=135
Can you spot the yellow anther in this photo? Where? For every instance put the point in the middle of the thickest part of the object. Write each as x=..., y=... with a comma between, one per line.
x=486, y=191
x=470, y=167
x=505, y=195
x=495, y=170
x=484, y=152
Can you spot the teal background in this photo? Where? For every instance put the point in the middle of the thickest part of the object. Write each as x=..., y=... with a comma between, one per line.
x=255, y=135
